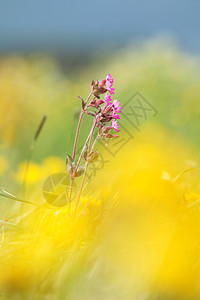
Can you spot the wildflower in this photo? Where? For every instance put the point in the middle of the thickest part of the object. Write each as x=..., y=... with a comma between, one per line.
x=107, y=99
x=116, y=106
x=115, y=116
x=109, y=80
x=114, y=125
x=109, y=84
x=111, y=90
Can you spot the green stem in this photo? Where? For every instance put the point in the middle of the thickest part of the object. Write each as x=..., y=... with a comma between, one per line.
x=74, y=150
x=88, y=98
x=89, y=135
x=86, y=165
x=95, y=141
x=79, y=125
x=96, y=164
x=77, y=133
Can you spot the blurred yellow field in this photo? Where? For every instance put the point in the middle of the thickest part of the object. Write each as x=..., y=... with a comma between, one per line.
x=136, y=231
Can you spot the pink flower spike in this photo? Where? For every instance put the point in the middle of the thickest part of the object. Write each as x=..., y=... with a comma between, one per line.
x=116, y=106
x=107, y=99
x=115, y=125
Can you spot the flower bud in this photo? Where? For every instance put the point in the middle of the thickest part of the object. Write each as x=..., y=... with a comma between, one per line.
x=85, y=151
x=92, y=157
x=99, y=90
x=102, y=82
x=106, y=129
x=106, y=118
x=79, y=172
x=99, y=102
x=93, y=83
x=70, y=165
x=108, y=109
x=110, y=136
x=93, y=103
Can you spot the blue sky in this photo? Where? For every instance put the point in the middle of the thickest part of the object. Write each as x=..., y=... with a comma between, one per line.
x=51, y=25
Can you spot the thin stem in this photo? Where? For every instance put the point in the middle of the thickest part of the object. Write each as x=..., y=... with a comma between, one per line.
x=97, y=162
x=77, y=132
x=79, y=124
x=81, y=155
x=91, y=134
x=74, y=150
x=88, y=98
x=95, y=141
x=86, y=165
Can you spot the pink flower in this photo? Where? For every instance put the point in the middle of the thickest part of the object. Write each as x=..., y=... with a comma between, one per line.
x=109, y=80
x=116, y=106
x=115, y=116
x=109, y=84
x=111, y=90
x=115, y=125
x=107, y=99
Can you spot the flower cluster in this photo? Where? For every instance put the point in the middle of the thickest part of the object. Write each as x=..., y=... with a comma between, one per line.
x=105, y=113
x=108, y=110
